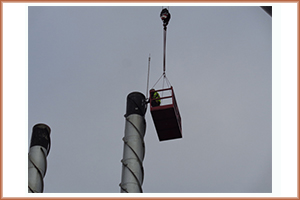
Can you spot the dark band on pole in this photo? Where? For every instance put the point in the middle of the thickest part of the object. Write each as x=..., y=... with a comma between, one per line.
x=41, y=136
x=136, y=104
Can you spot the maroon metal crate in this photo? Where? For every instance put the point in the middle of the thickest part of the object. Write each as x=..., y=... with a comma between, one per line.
x=166, y=117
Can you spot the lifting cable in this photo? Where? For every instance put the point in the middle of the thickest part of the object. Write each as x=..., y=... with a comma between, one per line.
x=164, y=59
x=165, y=41
x=165, y=17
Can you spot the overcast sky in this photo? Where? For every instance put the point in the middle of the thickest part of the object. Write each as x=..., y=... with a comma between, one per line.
x=84, y=61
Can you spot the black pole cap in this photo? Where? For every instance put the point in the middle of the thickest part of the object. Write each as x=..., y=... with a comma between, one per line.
x=136, y=104
x=41, y=136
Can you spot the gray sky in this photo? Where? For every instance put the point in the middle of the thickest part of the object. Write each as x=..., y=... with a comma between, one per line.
x=84, y=61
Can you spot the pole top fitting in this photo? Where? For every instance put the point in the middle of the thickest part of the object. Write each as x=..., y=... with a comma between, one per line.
x=42, y=126
x=136, y=104
x=41, y=136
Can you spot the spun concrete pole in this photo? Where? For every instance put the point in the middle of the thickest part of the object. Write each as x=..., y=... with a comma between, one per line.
x=37, y=157
x=134, y=146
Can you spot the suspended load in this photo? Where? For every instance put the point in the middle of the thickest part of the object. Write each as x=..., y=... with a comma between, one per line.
x=164, y=109
x=166, y=117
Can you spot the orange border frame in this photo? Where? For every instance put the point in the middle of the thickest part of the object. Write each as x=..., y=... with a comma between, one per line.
x=137, y=1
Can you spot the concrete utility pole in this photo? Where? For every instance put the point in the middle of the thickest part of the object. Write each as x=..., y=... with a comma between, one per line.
x=37, y=162
x=134, y=147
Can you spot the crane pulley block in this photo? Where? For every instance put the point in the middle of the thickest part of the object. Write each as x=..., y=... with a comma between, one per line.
x=165, y=16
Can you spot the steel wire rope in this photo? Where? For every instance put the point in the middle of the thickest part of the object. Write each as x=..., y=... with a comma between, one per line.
x=165, y=44
x=157, y=81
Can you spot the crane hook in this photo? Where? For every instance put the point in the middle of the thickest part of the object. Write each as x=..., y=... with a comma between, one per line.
x=165, y=17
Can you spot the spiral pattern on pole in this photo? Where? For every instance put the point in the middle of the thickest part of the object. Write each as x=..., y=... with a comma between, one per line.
x=37, y=166
x=134, y=146
x=133, y=154
x=37, y=157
